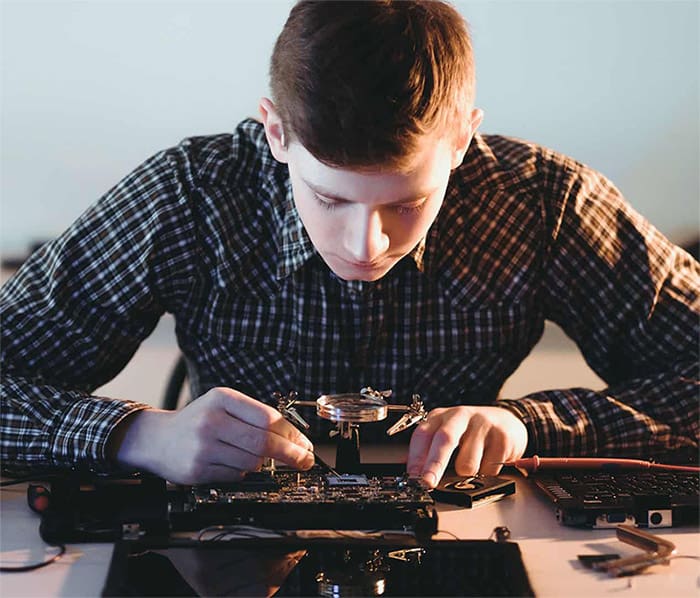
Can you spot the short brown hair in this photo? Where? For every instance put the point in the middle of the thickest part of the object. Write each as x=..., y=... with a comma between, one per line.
x=356, y=82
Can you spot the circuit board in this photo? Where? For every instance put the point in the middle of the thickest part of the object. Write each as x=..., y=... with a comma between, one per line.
x=288, y=499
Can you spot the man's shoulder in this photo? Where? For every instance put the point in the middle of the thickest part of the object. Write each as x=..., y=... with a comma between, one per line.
x=522, y=156
x=242, y=155
x=516, y=166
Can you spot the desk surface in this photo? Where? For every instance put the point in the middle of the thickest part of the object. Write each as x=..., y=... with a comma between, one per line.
x=549, y=551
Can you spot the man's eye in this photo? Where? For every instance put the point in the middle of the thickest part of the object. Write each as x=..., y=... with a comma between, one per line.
x=410, y=209
x=328, y=204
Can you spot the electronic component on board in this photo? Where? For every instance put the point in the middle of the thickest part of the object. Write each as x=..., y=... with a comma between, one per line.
x=287, y=499
x=347, y=479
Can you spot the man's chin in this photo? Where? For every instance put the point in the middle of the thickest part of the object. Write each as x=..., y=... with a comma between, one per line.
x=366, y=274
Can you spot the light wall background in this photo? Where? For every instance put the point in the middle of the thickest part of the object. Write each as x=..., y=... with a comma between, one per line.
x=91, y=88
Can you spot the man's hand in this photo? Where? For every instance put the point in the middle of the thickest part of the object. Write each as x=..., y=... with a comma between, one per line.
x=486, y=436
x=216, y=438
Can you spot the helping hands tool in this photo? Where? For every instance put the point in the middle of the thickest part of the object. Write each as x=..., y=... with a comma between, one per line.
x=285, y=407
x=347, y=411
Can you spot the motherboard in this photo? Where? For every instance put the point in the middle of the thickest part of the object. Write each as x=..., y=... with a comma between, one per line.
x=315, y=499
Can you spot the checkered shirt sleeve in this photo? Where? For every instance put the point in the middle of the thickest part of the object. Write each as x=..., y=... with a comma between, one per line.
x=76, y=312
x=630, y=300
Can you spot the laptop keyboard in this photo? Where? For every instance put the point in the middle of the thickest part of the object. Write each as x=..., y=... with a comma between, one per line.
x=609, y=488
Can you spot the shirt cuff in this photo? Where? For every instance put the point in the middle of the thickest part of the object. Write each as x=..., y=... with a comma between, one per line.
x=80, y=440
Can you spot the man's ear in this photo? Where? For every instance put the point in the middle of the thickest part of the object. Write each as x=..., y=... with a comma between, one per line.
x=462, y=145
x=274, y=130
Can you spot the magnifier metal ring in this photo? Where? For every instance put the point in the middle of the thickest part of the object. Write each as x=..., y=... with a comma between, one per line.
x=351, y=407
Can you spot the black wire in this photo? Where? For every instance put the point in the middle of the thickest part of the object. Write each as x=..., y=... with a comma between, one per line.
x=236, y=531
x=444, y=531
x=685, y=556
x=33, y=566
x=61, y=547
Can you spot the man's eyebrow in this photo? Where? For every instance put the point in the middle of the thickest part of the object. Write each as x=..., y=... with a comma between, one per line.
x=334, y=197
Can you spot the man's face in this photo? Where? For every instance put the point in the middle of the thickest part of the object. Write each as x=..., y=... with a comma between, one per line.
x=362, y=222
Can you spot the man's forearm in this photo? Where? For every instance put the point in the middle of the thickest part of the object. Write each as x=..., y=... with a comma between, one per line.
x=641, y=418
x=46, y=426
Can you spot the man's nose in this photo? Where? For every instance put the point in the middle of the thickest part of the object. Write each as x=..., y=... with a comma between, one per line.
x=365, y=238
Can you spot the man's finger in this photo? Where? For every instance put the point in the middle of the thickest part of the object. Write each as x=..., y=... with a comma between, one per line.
x=471, y=448
x=258, y=443
x=495, y=453
x=260, y=415
x=492, y=462
x=421, y=439
x=444, y=441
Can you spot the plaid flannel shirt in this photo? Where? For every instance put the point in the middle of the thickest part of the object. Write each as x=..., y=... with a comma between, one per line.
x=208, y=232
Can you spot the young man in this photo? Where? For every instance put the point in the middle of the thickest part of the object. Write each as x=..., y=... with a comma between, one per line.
x=363, y=234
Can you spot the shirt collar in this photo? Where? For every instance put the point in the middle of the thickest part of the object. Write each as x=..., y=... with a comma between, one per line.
x=296, y=247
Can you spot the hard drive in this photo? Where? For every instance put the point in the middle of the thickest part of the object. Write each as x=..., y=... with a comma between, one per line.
x=472, y=491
